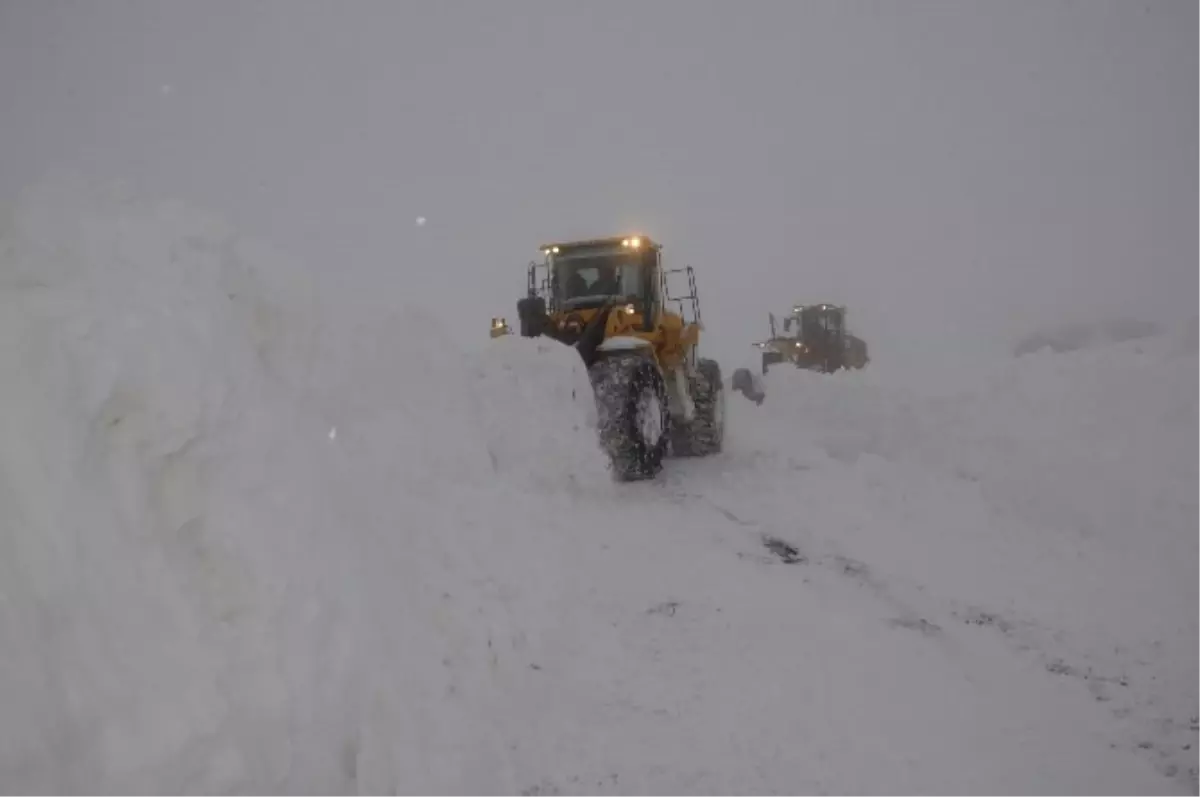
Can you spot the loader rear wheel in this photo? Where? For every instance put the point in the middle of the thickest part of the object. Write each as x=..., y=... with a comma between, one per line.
x=705, y=434
x=632, y=411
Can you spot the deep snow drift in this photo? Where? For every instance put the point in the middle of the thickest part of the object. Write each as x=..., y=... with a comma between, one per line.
x=261, y=533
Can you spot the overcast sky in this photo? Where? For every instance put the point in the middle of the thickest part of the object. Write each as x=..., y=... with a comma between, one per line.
x=953, y=171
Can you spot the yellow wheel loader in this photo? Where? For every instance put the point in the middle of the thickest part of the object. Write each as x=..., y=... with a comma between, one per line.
x=500, y=328
x=610, y=298
x=820, y=342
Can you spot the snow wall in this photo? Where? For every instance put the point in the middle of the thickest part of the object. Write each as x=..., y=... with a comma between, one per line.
x=235, y=504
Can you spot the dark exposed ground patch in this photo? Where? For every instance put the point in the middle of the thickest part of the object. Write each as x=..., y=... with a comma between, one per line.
x=666, y=608
x=787, y=553
x=919, y=624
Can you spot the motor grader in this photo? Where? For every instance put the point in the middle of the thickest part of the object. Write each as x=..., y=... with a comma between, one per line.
x=500, y=328
x=820, y=341
x=610, y=298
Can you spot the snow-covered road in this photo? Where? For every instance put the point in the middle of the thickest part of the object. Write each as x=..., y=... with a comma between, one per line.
x=259, y=535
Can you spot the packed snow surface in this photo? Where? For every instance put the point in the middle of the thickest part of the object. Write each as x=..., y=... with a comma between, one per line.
x=262, y=532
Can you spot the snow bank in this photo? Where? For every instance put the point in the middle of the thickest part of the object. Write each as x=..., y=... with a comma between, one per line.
x=248, y=530
x=1069, y=337
x=1056, y=497
x=522, y=387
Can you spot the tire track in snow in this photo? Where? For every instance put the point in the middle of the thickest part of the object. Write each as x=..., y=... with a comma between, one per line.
x=1168, y=742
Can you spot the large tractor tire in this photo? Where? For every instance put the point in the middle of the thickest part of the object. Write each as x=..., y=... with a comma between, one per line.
x=705, y=434
x=632, y=411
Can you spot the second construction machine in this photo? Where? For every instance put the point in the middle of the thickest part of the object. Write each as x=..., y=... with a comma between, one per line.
x=820, y=341
x=610, y=299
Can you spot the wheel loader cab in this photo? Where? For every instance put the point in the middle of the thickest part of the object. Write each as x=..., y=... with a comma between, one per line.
x=820, y=322
x=586, y=275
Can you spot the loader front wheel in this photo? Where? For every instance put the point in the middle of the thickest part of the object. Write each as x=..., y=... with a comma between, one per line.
x=632, y=413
